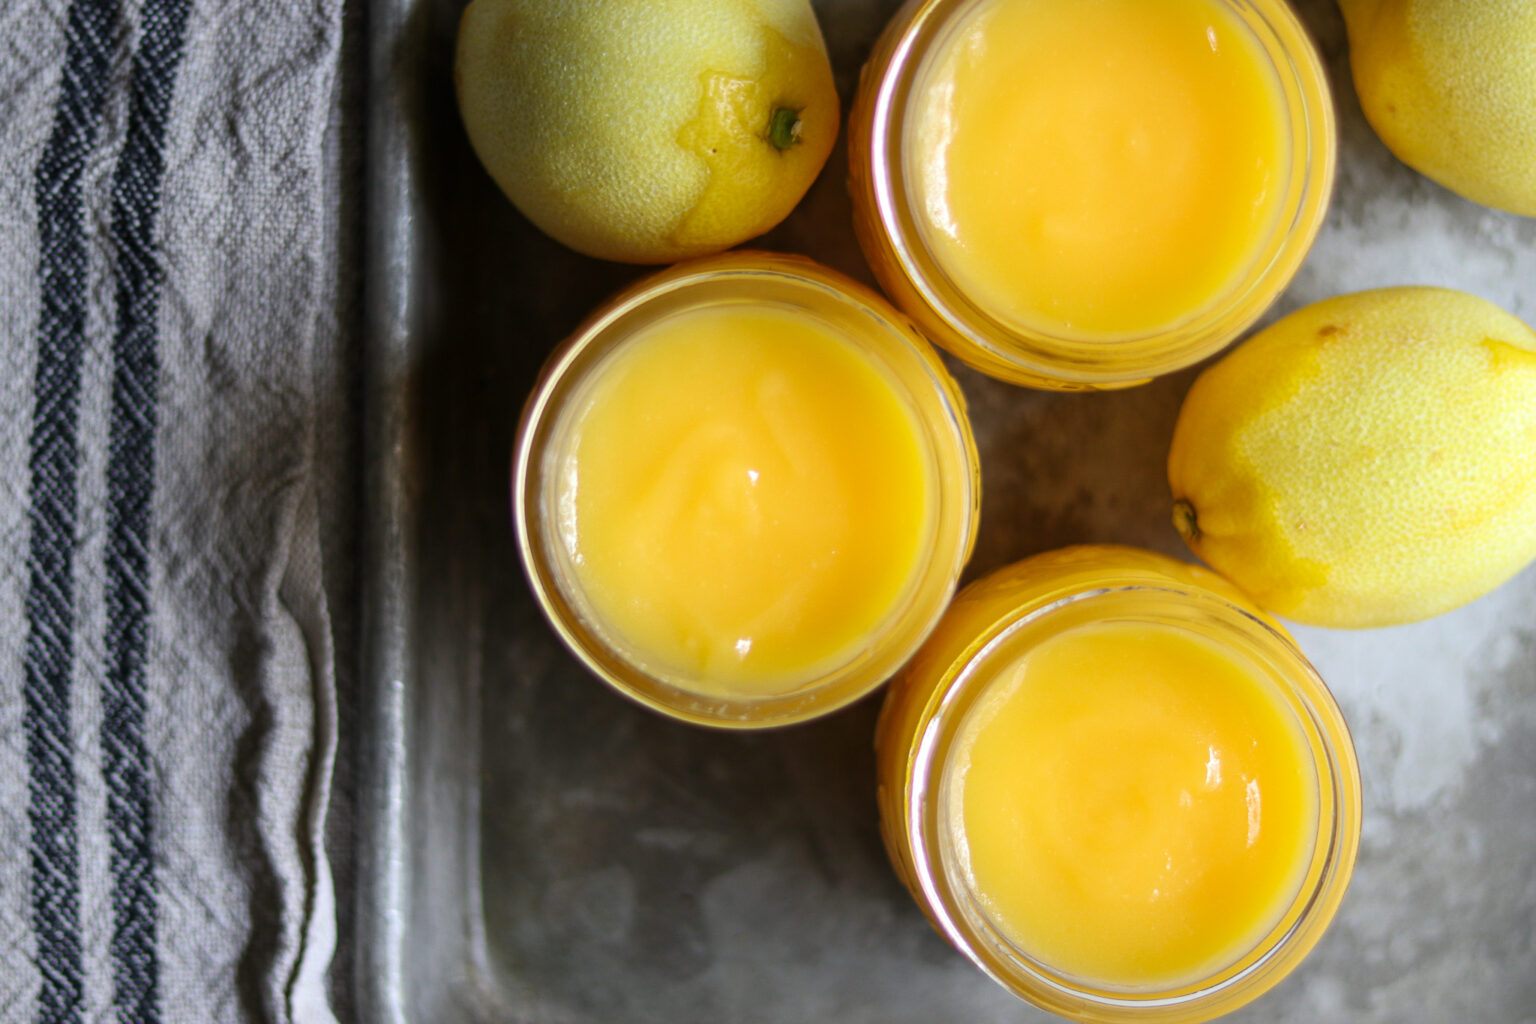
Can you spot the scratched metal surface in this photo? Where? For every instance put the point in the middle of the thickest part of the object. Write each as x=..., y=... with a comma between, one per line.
x=535, y=849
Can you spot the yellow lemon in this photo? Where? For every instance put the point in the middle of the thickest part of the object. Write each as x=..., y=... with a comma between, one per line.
x=1368, y=460
x=648, y=132
x=1450, y=86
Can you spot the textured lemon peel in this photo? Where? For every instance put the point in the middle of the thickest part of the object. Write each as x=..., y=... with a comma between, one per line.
x=1236, y=513
x=736, y=116
x=1450, y=87
x=575, y=110
x=1368, y=483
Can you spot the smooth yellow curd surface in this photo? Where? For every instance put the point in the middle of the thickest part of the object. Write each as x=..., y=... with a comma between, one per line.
x=1132, y=804
x=744, y=498
x=1097, y=167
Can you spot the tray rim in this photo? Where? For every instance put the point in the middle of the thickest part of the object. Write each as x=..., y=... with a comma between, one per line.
x=387, y=569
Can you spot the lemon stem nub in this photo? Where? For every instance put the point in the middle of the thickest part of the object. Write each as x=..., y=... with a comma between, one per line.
x=784, y=128
x=1185, y=520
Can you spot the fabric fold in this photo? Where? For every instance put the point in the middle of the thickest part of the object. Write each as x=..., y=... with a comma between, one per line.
x=176, y=419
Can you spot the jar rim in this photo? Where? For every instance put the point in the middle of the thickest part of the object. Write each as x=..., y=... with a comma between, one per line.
x=938, y=412
x=1043, y=357
x=1253, y=970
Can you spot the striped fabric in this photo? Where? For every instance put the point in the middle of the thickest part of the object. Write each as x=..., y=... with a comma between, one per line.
x=54, y=474
x=172, y=526
x=136, y=184
x=50, y=600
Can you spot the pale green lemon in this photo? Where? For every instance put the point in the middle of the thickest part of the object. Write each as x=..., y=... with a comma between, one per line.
x=648, y=131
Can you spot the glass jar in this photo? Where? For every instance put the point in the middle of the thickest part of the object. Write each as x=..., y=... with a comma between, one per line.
x=905, y=363
x=992, y=624
x=889, y=218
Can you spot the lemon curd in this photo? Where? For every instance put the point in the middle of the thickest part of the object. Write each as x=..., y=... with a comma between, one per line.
x=1118, y=788
x=1086, y=193
x=745, y=490
x=1133, y=804
x=1098, y=167
x=747, y=497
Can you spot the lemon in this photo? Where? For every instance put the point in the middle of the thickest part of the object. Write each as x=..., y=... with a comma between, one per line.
x=648, y=132
x=1367, y=460
x=1450, y=86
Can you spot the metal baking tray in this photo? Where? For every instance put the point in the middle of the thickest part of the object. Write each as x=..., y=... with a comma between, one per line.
x=535, y=849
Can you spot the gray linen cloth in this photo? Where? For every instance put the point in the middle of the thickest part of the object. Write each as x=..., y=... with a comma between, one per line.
x=174, y=507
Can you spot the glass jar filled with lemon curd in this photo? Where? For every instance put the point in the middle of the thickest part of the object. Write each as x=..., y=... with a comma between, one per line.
x=1118, y=788
x=744, y=490
x=1082, y=194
